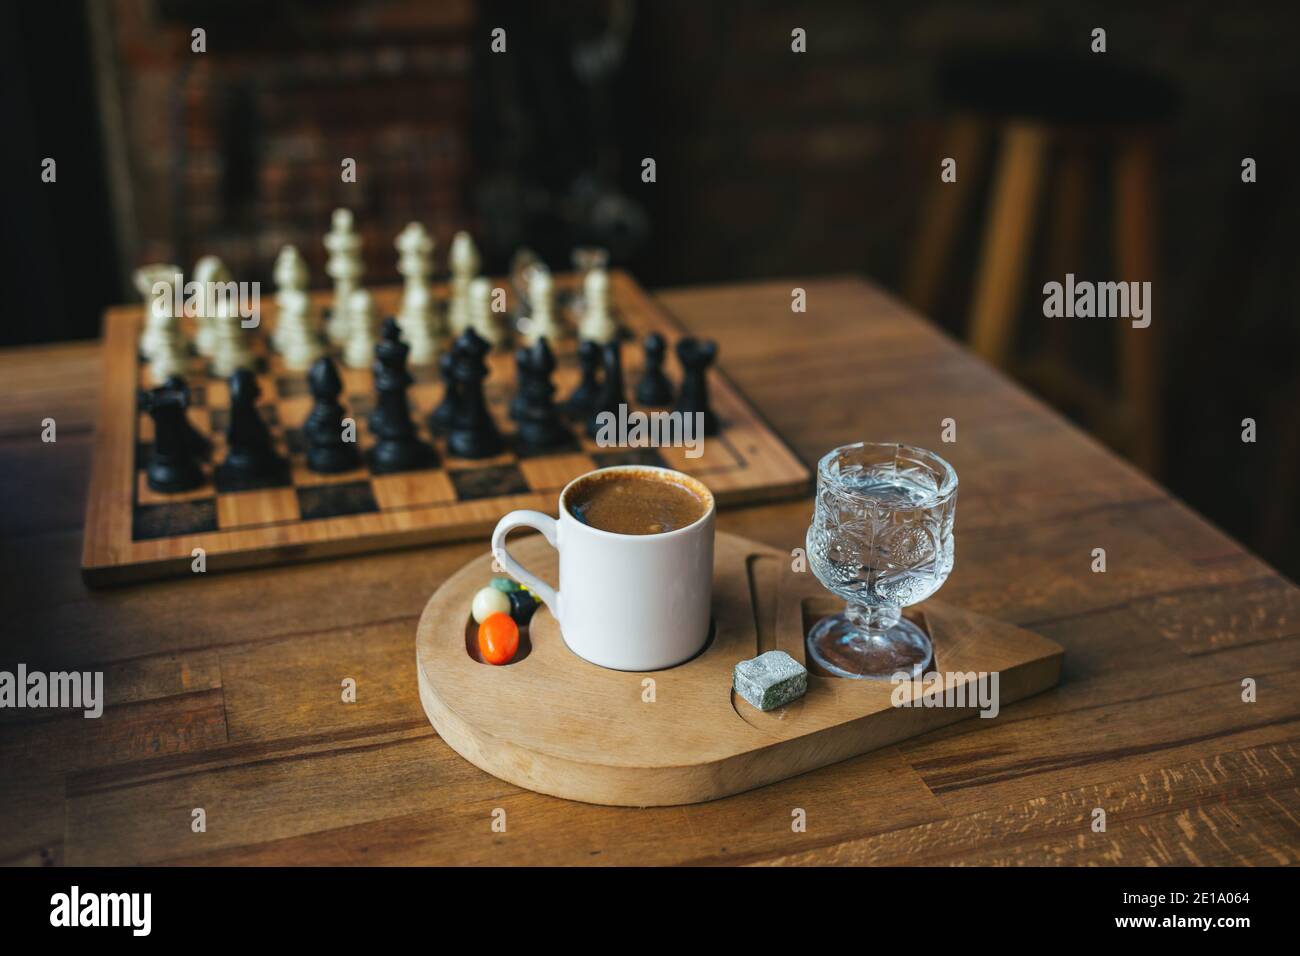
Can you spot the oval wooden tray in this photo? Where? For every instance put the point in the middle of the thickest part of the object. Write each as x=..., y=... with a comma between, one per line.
x=554, y=723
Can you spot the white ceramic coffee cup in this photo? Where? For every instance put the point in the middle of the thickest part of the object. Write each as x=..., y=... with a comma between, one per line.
x=631, y=602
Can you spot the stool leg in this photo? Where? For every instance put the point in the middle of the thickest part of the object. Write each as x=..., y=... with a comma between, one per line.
x=1135, y=253
x=941, y=216
x=1006, y=240
x=1067, y=230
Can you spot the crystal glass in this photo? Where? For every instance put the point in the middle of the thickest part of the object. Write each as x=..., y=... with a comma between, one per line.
x=880, y=538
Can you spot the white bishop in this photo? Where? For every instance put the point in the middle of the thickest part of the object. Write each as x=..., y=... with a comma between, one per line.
x=344, y=266
x=231, y=342
x=416, y=316
x=543, y=323
x=464, y=263
x=597, y=324
x=291, y=276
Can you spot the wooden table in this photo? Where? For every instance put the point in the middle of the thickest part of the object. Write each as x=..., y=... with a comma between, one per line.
x=225, y=693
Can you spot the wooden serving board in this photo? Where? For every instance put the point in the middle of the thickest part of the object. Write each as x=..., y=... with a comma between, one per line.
x=134, y=533
x=554, y=723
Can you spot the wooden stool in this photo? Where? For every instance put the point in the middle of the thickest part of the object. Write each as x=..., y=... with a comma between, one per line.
x=1058, y=114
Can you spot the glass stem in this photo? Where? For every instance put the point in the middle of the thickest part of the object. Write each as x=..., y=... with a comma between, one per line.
x=872, y=619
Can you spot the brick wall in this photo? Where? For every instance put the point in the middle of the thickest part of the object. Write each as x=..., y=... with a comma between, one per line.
x=237, y=151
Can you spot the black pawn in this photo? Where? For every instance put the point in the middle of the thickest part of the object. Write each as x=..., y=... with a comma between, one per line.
x=612, y=392
x=251, y=457
x=654, y=389
x=198, y=443
x=397, y=448
x=173, y=466
x=540, y=425
x=327, y=452
x=583, y=398
x=696, y=357
x=472, y=433
x=440, y=419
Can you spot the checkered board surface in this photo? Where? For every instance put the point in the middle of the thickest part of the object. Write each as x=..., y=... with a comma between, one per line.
x=133, y=532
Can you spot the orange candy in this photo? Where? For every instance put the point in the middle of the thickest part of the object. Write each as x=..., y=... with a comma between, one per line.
x=498, y=638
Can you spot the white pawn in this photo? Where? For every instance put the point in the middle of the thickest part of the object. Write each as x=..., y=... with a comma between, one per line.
x=291, y=276
x=359, y=350
x=597, y=324
x=543, y=323
x=231, y=349
x=464, y=263
x=208, y=271
x=481, y=318
x=416, y=316
x=345, y=268
x=299, y=343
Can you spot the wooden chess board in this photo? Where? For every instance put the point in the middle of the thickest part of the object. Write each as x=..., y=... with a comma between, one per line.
x=134, y=533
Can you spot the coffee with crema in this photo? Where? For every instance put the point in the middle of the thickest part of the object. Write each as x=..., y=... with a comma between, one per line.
x=635, y=502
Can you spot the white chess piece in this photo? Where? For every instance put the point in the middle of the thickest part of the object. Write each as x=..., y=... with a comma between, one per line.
x=481, y=318
x=232, y=349
x=157, y=322
x=543, y=322
x=291, y=277
x=299, y=342
x=345, y=268
x=359, y=349
x=416, y=316
x=464, y=264
x=208, y=271
x=162, y=341
x=597, y=324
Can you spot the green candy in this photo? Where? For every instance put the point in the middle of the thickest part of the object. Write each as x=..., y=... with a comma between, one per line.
x=505, y=584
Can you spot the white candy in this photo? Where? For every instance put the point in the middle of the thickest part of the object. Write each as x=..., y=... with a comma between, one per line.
x=487, y=602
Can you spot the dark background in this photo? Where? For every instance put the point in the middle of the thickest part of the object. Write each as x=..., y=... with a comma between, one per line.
x=770, y=164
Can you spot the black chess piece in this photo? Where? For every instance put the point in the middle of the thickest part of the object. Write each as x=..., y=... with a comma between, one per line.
x=540, y=425
x=696, y=357
x=440, y=418
x=612, y=392
x=654, y=389
x=471, y=433
x=173, y=464
x=251, y=458
x=397, y=447
x=199, y=444
x=583, y=398
x=327, y=451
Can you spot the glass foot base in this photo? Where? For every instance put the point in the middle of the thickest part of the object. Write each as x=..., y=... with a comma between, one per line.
x=843, y=648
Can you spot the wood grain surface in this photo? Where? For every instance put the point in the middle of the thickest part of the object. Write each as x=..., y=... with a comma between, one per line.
x=226, y=696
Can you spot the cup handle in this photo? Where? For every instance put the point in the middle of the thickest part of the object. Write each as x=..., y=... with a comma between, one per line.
x=549, y=529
